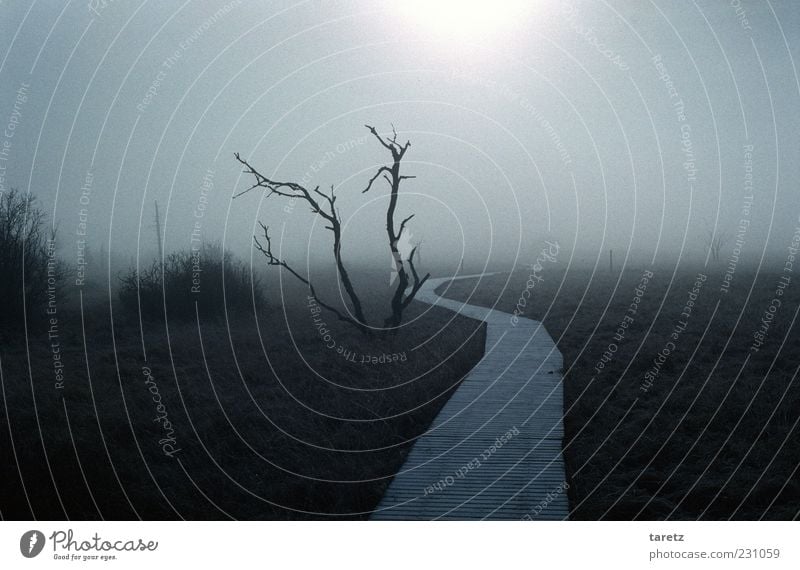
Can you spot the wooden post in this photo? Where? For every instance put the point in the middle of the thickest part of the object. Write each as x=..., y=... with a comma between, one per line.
x=158, y=234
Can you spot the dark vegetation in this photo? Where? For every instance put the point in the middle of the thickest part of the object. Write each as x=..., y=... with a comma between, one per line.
x=30, y=272
x=192, y=393
x=260, y=419
x=207, y=280
x=279, y=410
x=715, y=435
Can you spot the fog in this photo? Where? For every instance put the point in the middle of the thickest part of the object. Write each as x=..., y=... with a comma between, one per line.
x=632, y=126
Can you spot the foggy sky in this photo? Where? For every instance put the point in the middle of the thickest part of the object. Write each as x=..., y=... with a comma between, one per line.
x=561, y=126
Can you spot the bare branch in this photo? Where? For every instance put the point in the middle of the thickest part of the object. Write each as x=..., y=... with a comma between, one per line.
x=330, y=215
x=411, y=265
x=418, y=283
x=402, y=227
x=272, y=259
x=380, y=138
x=400, y=300
x=392, y=145
x=414, y=290
x=294, y=190
x=381, y=170
x=324, y=205
x=266, y=251
x=245, y=191
x=329, y=198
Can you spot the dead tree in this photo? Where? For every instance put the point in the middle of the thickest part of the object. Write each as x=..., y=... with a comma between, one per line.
x=716, y=241
x=324, y=205
x=402, y=297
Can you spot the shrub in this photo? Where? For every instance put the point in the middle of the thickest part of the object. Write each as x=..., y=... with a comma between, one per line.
x=31, y=277
x=209, y=277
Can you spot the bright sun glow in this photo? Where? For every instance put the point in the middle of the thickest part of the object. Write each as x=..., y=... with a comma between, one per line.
x=465, y=19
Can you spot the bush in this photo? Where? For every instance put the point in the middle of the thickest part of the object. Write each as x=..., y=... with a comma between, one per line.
x=210, y=277
x=31, y=277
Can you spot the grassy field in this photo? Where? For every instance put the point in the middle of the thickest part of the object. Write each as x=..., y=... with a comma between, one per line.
x=250, y=419
x=671, y=415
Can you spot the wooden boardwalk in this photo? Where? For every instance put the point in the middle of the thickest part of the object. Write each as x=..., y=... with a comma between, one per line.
x=511, y=400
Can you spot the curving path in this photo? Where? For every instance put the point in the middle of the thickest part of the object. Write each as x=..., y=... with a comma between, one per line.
x=494, y=451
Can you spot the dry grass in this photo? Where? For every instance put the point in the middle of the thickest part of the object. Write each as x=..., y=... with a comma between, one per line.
x=716, y=435
x=269, y=428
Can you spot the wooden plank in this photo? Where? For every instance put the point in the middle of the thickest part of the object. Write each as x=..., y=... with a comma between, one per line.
x=494, y=450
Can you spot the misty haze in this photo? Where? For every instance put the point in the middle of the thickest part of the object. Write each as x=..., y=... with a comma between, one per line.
x=399, y=260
